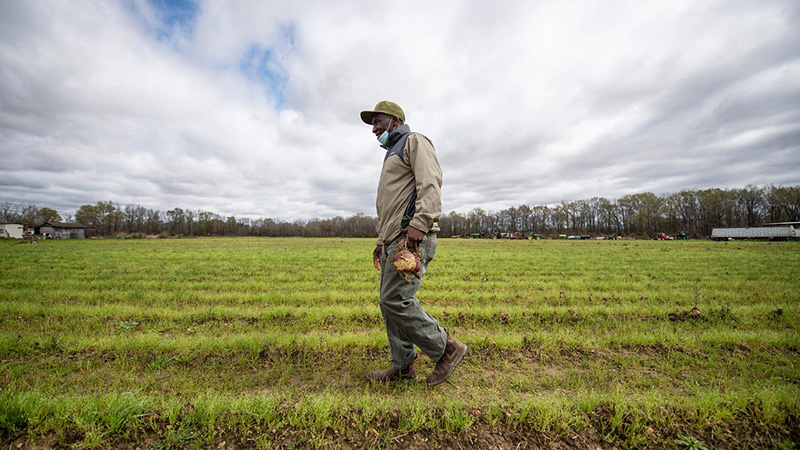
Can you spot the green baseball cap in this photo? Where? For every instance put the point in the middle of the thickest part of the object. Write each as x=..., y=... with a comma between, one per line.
x=385, y=107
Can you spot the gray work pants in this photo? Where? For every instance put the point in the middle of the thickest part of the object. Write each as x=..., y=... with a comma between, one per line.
x=407, y=323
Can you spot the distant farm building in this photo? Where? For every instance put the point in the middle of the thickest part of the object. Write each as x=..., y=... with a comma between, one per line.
x=772, y=231
x=61, y=230
x=11, y=230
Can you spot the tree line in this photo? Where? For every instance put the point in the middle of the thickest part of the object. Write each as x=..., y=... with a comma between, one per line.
x=112, y=219
x=693, y=211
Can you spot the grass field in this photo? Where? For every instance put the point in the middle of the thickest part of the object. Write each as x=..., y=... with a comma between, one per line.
x=263, y=343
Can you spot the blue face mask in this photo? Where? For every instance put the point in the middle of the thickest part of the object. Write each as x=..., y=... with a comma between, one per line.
x=384, y=137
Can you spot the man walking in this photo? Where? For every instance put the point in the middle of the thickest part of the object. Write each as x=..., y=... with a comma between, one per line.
x=409, y=205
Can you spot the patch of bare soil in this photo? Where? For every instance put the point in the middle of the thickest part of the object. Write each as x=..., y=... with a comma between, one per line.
x=681, y=316
x=746, y=431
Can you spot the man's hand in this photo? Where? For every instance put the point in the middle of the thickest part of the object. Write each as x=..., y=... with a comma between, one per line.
x=415, y=237
x=376, y=256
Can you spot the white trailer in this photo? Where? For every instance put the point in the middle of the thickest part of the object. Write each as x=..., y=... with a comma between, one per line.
x=772, y=233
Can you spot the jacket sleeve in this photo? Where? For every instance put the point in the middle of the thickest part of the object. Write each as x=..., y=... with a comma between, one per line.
x=428, y=178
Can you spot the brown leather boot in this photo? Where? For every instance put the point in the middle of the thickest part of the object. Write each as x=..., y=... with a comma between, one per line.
x=454, y=352
x=391, y=375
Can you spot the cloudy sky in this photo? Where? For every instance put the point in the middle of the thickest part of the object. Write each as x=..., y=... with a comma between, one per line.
x=250, y=108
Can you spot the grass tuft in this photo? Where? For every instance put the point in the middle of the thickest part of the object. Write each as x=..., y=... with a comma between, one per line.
x=124, y=409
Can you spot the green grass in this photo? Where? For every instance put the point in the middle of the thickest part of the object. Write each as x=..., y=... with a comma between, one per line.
x=263, y=343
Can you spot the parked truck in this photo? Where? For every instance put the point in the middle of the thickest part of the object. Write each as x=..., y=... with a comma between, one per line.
x=771, y=233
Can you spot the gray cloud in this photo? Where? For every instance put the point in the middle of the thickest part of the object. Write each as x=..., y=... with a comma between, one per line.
x=251, y=109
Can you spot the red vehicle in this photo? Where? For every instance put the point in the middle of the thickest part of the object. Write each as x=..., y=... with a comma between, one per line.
x=664, y=237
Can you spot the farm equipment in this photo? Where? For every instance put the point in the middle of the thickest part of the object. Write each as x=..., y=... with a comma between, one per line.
x=27, y=236
x=580, y=237
x=614, y=237
x=531, y=236
x=682, y=236
x=664, y=237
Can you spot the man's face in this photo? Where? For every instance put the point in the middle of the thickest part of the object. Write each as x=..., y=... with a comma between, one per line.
x=380, y=123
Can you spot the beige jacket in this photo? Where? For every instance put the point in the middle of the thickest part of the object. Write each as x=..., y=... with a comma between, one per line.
x=409, y=168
